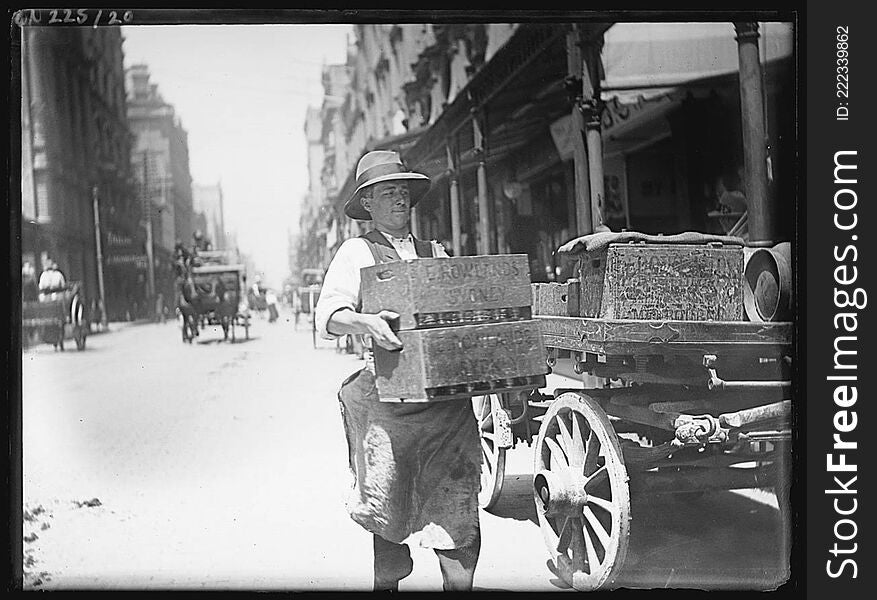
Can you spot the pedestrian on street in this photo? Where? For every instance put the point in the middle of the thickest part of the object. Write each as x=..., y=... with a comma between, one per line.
x=271, y=301
x=159, y=308
x=52, y=281
x=296, y=306
x=30, y=290
x=200, y=243
x=416, y=464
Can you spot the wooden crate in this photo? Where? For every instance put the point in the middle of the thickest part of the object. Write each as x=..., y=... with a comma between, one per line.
x=556, y=299
x=684, y=282
x=457, y=362
x=441, y=292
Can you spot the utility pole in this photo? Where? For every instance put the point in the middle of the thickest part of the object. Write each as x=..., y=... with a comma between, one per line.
x=146, y=203
x=454, y=182
x=761, y=216
x=484, y=224
x=573, y=83
x=592, y=110
x=100, y=256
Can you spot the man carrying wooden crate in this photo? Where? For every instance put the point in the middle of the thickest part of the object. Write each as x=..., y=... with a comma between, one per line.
x=417, y=465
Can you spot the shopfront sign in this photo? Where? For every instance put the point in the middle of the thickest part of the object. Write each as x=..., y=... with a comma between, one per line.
x=122, y=250
x=138, y=260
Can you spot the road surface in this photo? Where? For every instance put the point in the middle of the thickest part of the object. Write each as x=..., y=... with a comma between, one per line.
x=153, y=464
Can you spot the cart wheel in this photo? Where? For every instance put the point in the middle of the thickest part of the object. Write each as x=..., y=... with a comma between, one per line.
x=581, y=492
x=492, y=455
x=77, y=318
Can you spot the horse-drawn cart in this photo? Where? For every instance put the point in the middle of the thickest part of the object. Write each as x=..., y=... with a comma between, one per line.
x=679, y=405
x=58, y=315
x=214, y=294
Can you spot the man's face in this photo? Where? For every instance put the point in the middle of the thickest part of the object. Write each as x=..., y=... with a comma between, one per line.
x=389, y=204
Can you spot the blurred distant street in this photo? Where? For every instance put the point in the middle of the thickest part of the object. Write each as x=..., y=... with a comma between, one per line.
x=150, y=463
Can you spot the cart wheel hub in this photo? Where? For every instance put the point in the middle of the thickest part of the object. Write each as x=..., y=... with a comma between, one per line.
x=561, y=493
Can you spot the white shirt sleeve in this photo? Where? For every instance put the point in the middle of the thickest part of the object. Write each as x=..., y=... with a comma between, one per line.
x=438, y=251
x=340, y=288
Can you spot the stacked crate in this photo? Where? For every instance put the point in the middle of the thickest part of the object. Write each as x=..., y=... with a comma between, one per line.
x=465, y=325
x=683, y=282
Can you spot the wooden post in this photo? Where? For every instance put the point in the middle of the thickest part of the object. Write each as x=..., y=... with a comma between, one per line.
x=569, y=179
x=146, y=200
x=761, y=227
x=456, y=237
x=481, y=184
x=580, y=154
x=592, y=109
x=500, y=226
x=95, y=204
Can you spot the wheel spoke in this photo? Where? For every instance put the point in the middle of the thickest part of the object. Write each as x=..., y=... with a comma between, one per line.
x=606, y=505
x=488, y=451
x=566, y=438
x=598, y=527
x=600, y=475
x=592, y=453
x=564, y=536
x=558, y=459
x=488, y=435
x=593, y=560
x=578, y=545
x=578, y=443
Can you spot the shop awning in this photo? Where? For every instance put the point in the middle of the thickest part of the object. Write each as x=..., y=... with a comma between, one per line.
x=649, y=59
x=512, y=82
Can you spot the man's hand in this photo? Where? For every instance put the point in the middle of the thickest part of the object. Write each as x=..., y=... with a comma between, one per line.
x=378, y=327
x=374, y=324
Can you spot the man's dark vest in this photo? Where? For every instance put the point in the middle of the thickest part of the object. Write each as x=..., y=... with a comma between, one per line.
x=383, y=250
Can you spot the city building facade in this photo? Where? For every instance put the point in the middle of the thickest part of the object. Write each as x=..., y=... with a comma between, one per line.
x=537, y=133
x=396, y=81
x=207, y=206
x=76, y=150
x=160, y=164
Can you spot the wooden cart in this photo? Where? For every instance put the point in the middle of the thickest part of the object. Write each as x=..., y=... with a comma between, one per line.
x=60, y=315
x=218, y=292
x=682, y=406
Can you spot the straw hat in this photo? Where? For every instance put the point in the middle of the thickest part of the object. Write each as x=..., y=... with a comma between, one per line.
x=382, y=165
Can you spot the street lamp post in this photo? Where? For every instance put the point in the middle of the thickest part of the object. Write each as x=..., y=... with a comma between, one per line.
x=150, y=271
x=146, y=203
x=100, y=257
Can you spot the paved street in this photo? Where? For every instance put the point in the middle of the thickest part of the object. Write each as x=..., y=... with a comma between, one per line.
x=150, y=463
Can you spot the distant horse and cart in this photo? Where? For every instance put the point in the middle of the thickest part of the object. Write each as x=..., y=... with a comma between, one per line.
x=210, y=292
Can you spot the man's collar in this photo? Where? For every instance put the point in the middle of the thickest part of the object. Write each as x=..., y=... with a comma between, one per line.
x=390, y=237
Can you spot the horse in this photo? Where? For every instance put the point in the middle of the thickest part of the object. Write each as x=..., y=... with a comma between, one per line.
x=187, y=300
